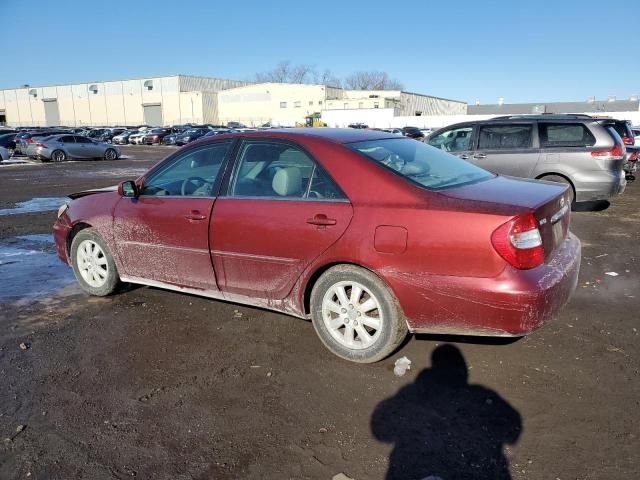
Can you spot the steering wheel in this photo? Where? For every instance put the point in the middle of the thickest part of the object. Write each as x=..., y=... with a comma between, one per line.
x=199, y=182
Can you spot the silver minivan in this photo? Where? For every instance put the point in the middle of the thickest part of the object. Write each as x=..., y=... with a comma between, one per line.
x=583, y=152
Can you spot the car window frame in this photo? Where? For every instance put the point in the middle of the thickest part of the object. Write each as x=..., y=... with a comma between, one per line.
x=215, y=189
x=564, y=148
x=231, y=173
x=535, y=140
x=457, y=126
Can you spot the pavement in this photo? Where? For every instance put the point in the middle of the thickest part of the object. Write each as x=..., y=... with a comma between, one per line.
x=156, y=384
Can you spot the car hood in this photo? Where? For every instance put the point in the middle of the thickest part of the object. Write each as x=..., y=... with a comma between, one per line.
x=85, y=193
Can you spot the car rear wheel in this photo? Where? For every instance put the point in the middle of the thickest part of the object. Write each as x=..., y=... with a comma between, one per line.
x=110, y=154
x=58, y=156
x=355, y=314
x=559, y=179
x=93, y=263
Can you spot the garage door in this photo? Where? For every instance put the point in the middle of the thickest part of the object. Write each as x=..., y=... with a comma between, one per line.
x=51, y=114
x=153, y=115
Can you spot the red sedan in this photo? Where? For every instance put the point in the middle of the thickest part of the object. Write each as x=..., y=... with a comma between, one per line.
x=368, y=234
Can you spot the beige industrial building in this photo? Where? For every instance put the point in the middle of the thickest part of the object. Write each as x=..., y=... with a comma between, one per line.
x=151, y=100
x=183, y=99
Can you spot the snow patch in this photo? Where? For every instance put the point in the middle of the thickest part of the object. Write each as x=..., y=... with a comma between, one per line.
x=38, y=204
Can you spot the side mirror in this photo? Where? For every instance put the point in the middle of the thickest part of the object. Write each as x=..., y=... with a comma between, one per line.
x=128, y=189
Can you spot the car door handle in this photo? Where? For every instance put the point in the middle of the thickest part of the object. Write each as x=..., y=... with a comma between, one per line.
x=321, y=220
x=480, y=155
x=464, y=156
x=195, y=215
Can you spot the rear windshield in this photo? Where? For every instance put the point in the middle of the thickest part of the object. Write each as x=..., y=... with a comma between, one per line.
x=421, y=163
x=623, y=129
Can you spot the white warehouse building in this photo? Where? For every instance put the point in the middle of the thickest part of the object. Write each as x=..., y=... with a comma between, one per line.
x=181, y=99
x=151, y=101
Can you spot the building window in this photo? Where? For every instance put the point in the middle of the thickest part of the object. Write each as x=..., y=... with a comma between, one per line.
x=418, y=114
x=283, y=104
x=311, y=103
x=319, y=102
x=296, y=104
x=376, y=105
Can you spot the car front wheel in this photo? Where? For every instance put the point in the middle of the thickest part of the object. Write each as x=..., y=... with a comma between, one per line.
x=110, y=154
x=356, y=315
x=93, y=263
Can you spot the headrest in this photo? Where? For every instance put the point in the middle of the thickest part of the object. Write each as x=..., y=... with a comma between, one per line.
x=287, y=181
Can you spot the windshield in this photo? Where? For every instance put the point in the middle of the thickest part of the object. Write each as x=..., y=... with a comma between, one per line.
x=428, y=166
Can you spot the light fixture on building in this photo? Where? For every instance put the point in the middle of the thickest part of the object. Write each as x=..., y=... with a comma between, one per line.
x=148, y=84
x=93, y=89
x=33, y=92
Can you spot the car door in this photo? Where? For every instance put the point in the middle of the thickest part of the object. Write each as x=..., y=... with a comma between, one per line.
x=507, y=149
x=163, y=234
x=83, y=147
x=281, y=211
x=69, y=145
x=457, y=140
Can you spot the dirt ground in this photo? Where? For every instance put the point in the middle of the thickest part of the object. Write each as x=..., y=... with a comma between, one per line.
x=155, y=384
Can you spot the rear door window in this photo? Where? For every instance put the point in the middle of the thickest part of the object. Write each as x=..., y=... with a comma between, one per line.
x=565, y=135
x=67, y=139
x=454, y=140
x=505, y=137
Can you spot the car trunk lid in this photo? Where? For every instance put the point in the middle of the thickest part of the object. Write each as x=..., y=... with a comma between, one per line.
x=512, y=197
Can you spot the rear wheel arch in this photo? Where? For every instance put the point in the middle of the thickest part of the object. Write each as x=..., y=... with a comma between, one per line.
x=320, y=270
x=545, y=175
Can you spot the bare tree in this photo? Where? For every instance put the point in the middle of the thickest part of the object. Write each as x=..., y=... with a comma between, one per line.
x=286, y=72
x=371, y=80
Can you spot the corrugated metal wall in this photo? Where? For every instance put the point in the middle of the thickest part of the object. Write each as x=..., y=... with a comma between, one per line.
x=411, y=104
x=210, y=111
x=190, y=83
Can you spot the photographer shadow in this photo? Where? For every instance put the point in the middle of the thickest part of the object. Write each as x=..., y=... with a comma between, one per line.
x=443, y=427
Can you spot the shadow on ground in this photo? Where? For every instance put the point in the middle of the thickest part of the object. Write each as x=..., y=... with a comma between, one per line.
x=443, y=427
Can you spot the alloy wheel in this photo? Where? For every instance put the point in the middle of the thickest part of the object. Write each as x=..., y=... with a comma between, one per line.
x=352, y=314
x=92, y=263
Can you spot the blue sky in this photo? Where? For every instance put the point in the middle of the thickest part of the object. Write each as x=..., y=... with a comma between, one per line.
x=467, y=50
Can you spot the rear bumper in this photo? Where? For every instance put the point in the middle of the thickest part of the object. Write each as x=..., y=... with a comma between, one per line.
x=602, y=186
x=514, y=303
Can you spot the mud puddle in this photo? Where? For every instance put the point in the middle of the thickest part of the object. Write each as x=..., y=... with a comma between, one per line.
x=30, y=268
x=37, y=204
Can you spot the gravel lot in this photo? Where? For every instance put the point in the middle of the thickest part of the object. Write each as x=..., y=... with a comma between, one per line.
x=156, y=384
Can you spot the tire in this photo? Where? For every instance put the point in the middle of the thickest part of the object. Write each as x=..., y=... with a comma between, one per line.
x=110, y=154
x=559, y=179
x=58, y=156
x=93, y=263
x=341, y=325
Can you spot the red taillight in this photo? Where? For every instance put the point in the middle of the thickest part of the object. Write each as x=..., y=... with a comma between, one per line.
x=614, y=153
x=627, y=140
x=39, y=145
x=519, y=242
x=633, y=157
x=29, y=140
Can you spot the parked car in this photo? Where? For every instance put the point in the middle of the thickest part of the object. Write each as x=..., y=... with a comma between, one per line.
x=8, y=141
x=582, y=152
x=395, y=131
x=358, y=126
x=109, y=133
x=213, y=133
x=191, y=135
x=636, y=136
x=5, y=154
x=412, y=132
x=136, y=138
x=59, y=148
x=28, y=138
x=123, y=138
x=368, y=234
x=155, y=136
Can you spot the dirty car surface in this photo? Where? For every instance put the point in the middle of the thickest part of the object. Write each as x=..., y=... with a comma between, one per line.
x=369, y=235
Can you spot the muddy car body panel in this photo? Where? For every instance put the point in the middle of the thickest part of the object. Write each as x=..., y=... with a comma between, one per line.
x=433, y=247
